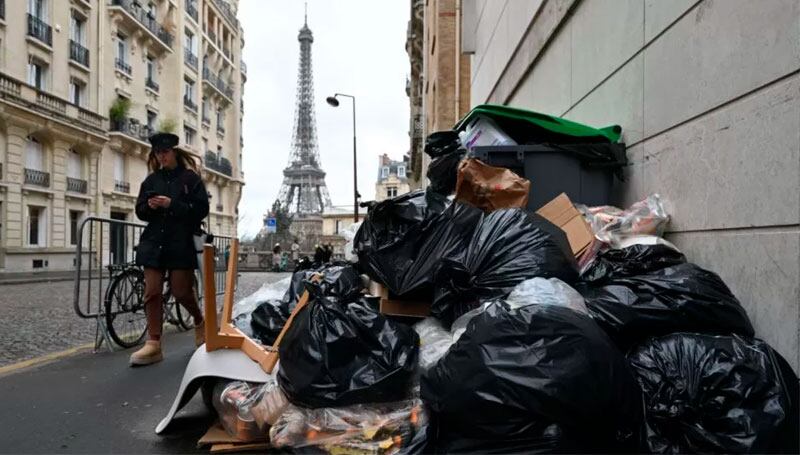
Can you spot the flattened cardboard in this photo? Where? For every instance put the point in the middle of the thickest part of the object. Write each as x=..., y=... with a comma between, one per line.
x=221, y=442
x=561, y=212
x=393, y=307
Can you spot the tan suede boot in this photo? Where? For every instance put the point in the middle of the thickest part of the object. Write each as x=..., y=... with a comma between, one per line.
x=148, y=354
x=199, y=334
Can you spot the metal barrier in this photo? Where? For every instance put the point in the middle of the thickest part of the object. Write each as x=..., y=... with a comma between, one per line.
x=105, y=248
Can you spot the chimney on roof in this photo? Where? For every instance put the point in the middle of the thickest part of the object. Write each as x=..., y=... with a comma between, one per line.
x=385, y=161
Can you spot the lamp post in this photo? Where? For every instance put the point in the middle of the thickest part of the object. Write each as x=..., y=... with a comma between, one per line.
x=333, y=101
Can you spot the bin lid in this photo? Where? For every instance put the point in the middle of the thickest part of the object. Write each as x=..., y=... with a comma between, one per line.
x=556, y=125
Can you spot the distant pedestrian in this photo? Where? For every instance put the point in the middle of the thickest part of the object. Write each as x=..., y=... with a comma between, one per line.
x=173, y=201
x=276, y=258
x=295, y=250
x=319, y=255
x=328, y=253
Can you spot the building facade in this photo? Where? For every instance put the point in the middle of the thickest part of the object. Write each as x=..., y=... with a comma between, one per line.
x=335, y=221
x=83, y=83
x=393, y=178
x=708, y=97
x=440, y=93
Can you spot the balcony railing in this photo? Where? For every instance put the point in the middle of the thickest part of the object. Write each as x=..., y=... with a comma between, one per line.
x=28, y=96
x=212, y=36
x=149, y=22
x=40, y=30
x=76, y=185
x=191, y=9
x=215, y=162
x=214, y=80
x=132, y=128
x=78, y=53
x=244, y=68
x=123, y=66
x=227, y=11
x=122, y=187
x=189, y=103
x=151, y=84
x=190, y=58
x=37, y=177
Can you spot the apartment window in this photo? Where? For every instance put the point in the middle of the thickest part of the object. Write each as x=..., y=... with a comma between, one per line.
x=78, y=28
x=189, y=135
x=220, y=117
x=205, y=145
x=38, y=9
x=205, y=108
x=385, y=172
x=151, y=68
x=391, y=191
x=74, y=165
x=338, y=226
x=34, y=158
x=37, y=73
x=190, y=42
x=151, y=120
x=74, y=223
x=77, y=92
x=151, y=11
x=119, y=167
x=122, y=49
x=188, y=89
x=36, y=226
x=401, y=171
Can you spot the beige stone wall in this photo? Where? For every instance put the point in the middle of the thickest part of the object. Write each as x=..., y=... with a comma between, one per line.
x=382, y=188
x=62, y=127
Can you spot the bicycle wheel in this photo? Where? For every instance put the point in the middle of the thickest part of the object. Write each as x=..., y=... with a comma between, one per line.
x=124, y=306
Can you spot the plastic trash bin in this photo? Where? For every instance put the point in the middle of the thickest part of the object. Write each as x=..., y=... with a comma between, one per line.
x=555, y=169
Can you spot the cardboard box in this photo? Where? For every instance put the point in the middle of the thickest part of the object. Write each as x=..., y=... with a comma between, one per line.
x=561, y=212
x=394, y=307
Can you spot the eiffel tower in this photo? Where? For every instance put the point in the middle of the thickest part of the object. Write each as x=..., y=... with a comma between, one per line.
x=303, y=192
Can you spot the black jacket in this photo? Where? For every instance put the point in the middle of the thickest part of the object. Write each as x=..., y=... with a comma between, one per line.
x=167, y=241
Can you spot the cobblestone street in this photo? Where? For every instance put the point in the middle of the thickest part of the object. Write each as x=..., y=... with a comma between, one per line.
x=38, y=318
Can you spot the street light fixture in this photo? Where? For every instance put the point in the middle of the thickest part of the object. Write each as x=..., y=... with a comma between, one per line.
x=333, y=101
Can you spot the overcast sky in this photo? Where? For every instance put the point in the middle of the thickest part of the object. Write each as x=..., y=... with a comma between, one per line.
x=359, y=49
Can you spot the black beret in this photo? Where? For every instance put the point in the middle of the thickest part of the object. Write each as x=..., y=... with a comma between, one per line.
x=162, y=141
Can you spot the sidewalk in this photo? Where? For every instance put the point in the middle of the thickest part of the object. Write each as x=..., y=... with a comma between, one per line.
x=96, y=403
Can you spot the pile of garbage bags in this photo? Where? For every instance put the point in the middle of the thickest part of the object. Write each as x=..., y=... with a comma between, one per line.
x=629, y=347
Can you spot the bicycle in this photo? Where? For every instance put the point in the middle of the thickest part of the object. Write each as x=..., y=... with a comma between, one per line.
x=125, y=316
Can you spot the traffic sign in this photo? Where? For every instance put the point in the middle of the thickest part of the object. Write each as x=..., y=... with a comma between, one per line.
x=271, y=224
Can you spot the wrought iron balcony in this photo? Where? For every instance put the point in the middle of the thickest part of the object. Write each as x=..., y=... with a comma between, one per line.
x=191, y=9
x=143, y=17
x=122, y=187
x=77, y=185
x=151, y=84
x=15, y=91
x=227, y=12
x=189, y=103
x=190, y=58
x=217, y=163
x=40, y=30
x=37, y=177
x=212, y=36
x=123, y=66
x=225, y=166
x=78, y=53
x=132, y=128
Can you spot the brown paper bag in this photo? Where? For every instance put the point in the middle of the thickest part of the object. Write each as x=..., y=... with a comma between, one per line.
x=490, y=188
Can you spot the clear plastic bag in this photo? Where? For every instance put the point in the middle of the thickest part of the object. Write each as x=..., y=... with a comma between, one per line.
x=541, y=291
x=434, y=341
x=243, y=309
x=373, y=428
x=349, y=233
x=247, y=410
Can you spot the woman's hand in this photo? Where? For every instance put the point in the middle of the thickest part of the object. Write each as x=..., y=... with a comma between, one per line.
x=159, y=201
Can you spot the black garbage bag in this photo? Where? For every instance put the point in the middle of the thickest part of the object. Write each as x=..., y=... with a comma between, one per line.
x=508, y=247
x=678, y=298
x=631, y=261
x=709, y=394
x=403, y=240
x=540, y=378
x=337, y=354
x=339, y=280
x=446, y=151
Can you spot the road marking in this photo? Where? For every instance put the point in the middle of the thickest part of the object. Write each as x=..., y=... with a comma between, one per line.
x=44, y=359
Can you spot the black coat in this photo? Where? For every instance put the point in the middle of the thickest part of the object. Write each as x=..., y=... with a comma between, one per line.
x=167, y=242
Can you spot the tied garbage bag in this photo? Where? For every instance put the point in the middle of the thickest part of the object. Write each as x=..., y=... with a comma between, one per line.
x=540, y=378
x=683, y=297
x=401, y=247
x=446, y=152
x=244, y=309
x=490, y=188
x=337, y=354
x=632, y=261
x=434, y=341
x=541, y=291
x=339, y=280
x=709, y=394
x=508, y=247
x=380, y=429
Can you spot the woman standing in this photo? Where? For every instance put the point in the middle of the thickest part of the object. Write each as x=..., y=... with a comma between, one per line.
x=173, y=201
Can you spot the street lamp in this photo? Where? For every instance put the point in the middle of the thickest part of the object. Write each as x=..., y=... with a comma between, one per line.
x=333, y=101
